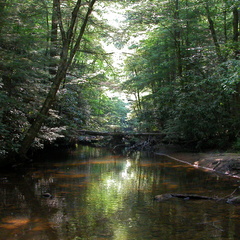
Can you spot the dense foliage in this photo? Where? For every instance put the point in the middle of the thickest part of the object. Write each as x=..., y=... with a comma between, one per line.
x=54, y=71
x=186, y=72
x=31, y=48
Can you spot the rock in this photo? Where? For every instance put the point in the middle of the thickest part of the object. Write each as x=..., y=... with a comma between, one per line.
x=47, y=195
x=163, y=197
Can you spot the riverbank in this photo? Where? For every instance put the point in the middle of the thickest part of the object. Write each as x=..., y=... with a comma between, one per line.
x=225, y=163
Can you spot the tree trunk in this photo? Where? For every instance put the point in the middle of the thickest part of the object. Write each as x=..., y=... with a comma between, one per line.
x=225, y=23
x=235, y=24
x=237, y=54
x=36, y=125
x=187, y=34
x=3, y=4
x=236, y=20
x=66, y=60
x=213, y=33
x=177, y=38
x=54, y=39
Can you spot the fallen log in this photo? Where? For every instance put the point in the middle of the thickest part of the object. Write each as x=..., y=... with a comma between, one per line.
x=166, y=196
x=234, y=200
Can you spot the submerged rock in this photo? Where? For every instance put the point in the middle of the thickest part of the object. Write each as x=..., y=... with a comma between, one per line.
x=47, y=195
x=163, y=197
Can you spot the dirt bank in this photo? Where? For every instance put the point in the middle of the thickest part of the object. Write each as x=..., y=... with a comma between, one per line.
x=225, y=163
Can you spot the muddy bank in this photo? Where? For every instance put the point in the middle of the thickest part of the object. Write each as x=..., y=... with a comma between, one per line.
x=225, y=163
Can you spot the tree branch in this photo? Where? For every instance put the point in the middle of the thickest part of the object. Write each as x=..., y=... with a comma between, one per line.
x=63, y=33
x=76, y=46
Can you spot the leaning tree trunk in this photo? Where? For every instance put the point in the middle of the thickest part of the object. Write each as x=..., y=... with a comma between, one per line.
x=67, y=56
x=36, y=125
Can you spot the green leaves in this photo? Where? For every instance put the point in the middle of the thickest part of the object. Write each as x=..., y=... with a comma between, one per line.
x=191, y=71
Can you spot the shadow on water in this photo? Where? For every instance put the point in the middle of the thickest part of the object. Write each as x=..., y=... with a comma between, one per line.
x=96, y=195
x=36, y=216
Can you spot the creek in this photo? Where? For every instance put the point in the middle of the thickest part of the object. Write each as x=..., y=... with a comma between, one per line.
x=94, y=194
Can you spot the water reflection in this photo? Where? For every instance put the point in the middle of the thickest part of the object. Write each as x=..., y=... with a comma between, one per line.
x=97, y=195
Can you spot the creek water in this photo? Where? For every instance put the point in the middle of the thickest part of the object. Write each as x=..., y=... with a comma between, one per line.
x=98, y=195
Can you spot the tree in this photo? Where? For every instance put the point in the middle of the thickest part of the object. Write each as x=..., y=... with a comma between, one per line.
x=22, y=44
x=32, y=52
x=70, y=45
x=188, y=69
x=213, y=33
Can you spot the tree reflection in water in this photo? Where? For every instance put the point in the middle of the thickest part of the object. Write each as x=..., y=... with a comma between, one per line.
x=101, y=196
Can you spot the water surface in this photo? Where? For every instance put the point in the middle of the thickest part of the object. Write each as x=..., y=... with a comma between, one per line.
x=97, y=195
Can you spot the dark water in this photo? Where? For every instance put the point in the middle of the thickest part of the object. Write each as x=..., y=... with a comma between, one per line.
x=97, y=195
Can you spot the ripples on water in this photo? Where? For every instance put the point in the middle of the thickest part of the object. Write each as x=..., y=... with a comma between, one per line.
x=97, y=195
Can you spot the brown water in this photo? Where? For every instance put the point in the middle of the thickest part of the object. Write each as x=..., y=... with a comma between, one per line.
x=97, y=195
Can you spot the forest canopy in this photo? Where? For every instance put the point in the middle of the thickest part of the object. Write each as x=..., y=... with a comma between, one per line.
x=181, y=74
x=185, y=74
